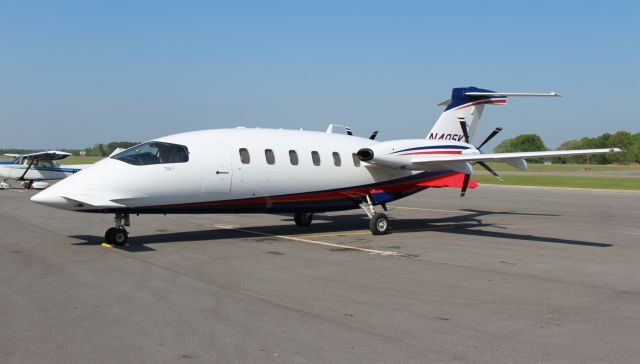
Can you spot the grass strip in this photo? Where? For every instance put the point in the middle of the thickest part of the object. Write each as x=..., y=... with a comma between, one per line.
x=596, y=182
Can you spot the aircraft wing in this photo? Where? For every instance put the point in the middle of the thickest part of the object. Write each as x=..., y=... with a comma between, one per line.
x=506, y=157
x=49, y=155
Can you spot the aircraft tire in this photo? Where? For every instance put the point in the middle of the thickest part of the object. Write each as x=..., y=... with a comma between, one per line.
x=303, y=218
x=379, y=224
x=109, y=235
x=117, y=237
x=120, y=237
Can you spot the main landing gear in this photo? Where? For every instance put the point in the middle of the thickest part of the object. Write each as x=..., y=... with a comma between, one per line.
x=27, y=184
x=303, y=218
x=378, y=222
x=117, y=235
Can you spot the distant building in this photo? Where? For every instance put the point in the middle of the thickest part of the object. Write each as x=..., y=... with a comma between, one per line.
x=83, y=153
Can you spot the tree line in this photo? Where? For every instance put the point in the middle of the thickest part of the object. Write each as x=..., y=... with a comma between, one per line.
x=629, y=143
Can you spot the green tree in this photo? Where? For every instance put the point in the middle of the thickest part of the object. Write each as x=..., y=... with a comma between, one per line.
x=621, y=139
x=522, y=143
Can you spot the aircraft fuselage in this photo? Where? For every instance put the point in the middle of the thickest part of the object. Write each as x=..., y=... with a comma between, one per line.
x=236, y=170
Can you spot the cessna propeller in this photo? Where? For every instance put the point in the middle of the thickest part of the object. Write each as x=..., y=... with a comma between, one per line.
x=465, y=132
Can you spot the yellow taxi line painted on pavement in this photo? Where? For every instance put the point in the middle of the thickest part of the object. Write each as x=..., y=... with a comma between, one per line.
x=308, y=241
x=346, y=233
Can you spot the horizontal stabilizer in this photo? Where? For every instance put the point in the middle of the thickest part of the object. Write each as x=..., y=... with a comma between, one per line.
x=503, y=94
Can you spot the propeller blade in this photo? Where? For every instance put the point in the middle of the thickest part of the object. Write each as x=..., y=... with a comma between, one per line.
x=486, y=166
x=465, y=184
x=493, y=133
x=373, y=135
x=465, y=132
x=348, y=129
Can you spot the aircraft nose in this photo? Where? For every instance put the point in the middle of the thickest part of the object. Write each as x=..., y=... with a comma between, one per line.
x=50, y=199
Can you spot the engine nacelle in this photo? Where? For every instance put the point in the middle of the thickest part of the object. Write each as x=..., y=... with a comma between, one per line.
x=365, y=154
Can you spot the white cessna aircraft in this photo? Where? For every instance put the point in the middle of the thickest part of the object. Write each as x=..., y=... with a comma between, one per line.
x=287, y=171
x=34, y=168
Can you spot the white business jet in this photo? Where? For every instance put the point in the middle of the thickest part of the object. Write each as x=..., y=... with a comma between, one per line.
x=32, y=169
x=245, y=170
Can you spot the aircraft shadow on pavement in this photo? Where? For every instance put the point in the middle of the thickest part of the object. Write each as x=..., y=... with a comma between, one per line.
x=469, y=224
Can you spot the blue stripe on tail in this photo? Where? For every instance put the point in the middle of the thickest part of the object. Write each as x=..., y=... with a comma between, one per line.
x=458, y=97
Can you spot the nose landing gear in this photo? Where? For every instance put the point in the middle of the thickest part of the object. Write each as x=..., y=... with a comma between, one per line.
x=117, y=235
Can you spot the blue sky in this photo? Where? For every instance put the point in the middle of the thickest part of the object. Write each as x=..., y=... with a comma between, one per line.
x=75, y=73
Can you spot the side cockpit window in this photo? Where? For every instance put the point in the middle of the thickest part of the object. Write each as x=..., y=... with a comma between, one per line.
x=154, y=153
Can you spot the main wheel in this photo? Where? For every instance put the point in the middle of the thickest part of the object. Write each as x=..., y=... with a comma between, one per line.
x=117, y=237
x=303, y=218
x=109, y=235
x=379, y=224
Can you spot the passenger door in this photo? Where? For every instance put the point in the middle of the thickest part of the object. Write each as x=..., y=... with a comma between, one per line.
x=217, y=171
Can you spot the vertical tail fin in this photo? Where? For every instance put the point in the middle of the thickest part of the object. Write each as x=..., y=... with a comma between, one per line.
x=466, y=104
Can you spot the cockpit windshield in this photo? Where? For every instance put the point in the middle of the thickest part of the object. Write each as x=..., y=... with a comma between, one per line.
x=154, y=153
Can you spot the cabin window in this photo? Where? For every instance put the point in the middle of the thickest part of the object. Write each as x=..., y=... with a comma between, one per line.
x=245, y=158
x=268, y=154
x=316, y=158
x=336, y=159
x=356, y=160
x=154, y=153
x=293, y=157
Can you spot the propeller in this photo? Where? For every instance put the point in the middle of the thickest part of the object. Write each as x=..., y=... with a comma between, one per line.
x=373, y=135
x=467, y=177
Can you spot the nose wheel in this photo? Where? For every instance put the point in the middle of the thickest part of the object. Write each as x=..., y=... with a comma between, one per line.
x=117, y=235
